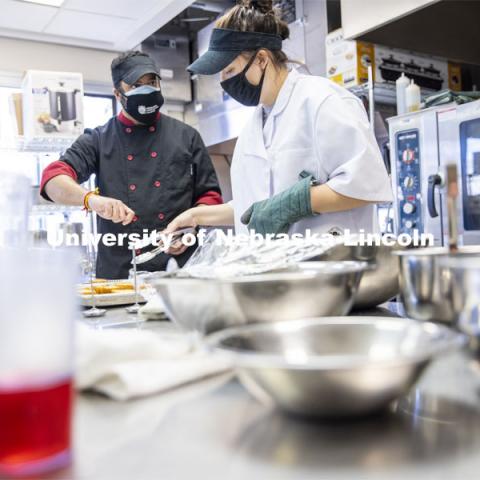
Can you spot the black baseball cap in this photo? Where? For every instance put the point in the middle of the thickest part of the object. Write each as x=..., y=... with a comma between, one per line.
x=133, y=68
x=226, y=45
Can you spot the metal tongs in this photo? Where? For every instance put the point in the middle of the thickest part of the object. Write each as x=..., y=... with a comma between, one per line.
x=147, y=256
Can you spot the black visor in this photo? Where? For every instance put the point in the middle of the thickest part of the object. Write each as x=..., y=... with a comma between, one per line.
x=226, y=45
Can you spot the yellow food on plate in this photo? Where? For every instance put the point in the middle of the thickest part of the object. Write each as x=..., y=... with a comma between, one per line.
x=106, y=288
x=122, y=286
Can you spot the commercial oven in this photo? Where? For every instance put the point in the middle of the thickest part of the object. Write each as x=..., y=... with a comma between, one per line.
x=422, y=144
x=459, y=134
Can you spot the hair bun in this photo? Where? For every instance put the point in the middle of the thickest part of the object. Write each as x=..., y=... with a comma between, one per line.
x=255, y=16
x=263, y=6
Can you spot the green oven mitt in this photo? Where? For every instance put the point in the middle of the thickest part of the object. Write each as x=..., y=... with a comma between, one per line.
x=275, y=215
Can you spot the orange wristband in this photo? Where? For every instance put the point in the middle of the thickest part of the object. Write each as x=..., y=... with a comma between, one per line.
x=86, y=206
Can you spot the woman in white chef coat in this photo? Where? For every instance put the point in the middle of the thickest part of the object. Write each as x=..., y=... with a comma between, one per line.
x=307, y=159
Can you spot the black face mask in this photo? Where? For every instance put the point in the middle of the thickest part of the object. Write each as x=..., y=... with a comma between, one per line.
x=239, y=88
x=143, y=103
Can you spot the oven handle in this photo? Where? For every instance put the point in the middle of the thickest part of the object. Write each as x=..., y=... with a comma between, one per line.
x=433, y=181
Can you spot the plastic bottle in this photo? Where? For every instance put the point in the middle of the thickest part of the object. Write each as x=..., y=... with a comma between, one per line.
x=413, y=97
x=401, y=85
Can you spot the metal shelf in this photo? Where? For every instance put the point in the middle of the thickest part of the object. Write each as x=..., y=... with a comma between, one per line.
x=44, y=144
x=384, y=93
x=43, y=209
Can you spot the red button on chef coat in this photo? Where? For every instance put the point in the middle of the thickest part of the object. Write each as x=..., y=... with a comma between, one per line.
x=157, y=183
x=128, y=130
x=134, y=219
x=153, y=154
x=161, y=216
x=130, y=157
x=132, y=187
x=151, y=129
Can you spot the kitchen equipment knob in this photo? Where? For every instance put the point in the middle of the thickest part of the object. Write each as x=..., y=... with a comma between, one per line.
x=409, y=208
x=408, y=156
x=409, y=182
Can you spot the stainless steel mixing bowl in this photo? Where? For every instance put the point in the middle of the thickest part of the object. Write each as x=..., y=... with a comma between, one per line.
x=380, y=283
x=465, y=276
x=333, y=366
x=207, y=305
x=427, y=287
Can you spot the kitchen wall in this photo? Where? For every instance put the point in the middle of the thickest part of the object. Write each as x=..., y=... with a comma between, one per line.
x=16, y=56
x=315, y=31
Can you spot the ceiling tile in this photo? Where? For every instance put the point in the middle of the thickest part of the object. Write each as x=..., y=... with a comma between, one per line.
x=152, y=20
x=25, y=16
x=120, y=8
x=105, y=24
x=89, y=26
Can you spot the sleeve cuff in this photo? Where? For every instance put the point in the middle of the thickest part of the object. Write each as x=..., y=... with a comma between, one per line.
x=377, y=194
x=54, y=170
x=210, y=198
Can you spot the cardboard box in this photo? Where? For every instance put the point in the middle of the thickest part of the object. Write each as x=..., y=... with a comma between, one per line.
x=454, y=77
x=427, y=72
x=17, y=103
x=348, y=61
x=52, y=104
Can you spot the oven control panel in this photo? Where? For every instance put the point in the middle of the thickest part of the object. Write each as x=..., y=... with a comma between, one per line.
x=409, y=185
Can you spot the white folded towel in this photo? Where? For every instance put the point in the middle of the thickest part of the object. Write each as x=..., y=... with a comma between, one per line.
x=154, y=309
x=124, y=364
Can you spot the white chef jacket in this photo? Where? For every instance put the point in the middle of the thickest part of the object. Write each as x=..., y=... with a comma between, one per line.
x=317, y=126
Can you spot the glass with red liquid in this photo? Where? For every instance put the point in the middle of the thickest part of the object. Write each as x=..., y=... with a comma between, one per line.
x=37, y=305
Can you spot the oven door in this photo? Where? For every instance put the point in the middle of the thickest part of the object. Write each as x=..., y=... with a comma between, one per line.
x=459, y=135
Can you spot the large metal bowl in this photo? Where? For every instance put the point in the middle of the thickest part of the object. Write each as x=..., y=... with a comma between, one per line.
x=380, y=283
x=207, y=305
x=333, y=366
x=465, y=296
x=427, y=286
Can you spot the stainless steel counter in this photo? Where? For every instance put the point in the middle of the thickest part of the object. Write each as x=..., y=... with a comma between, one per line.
x=214, y=430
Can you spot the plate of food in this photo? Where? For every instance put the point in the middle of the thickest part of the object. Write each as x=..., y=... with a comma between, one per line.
x=109, y=293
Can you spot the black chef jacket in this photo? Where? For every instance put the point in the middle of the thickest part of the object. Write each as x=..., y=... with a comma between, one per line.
x=159, y=171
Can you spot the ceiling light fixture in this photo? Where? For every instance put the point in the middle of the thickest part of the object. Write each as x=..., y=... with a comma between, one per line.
x=49, y=3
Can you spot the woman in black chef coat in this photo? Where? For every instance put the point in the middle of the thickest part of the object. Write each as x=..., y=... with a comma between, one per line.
x=149, y=167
